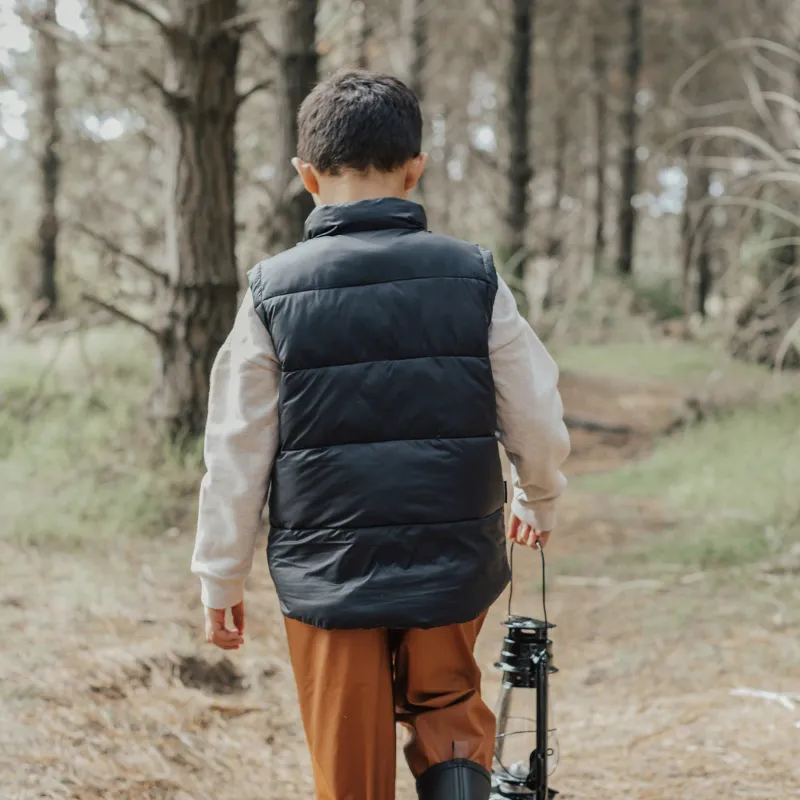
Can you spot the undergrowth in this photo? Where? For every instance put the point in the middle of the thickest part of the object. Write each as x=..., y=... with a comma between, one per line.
x=730, y=485
x=660, y=359
x=78, y=459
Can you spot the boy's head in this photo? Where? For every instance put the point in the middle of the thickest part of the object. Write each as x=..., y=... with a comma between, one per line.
x=359, y=136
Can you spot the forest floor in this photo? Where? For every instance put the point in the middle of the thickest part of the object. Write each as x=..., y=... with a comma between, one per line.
x=674, y=579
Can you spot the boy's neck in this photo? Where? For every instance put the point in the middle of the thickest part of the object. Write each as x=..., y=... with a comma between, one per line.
x=350, y=187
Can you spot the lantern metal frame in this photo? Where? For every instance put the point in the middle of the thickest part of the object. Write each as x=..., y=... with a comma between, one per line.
x=526, y=660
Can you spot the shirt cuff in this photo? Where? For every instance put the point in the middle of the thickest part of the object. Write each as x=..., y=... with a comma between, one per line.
x=540, y=520
x=216, y=593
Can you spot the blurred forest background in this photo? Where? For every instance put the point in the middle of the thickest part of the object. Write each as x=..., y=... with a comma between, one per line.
x=635, y=165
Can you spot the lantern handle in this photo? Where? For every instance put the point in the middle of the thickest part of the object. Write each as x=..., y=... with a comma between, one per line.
x=544, y=580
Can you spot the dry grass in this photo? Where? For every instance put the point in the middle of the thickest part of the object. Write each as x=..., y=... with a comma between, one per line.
x=106, y=691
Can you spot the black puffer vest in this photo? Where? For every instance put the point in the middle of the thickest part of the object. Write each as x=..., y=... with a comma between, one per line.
x=386, y=499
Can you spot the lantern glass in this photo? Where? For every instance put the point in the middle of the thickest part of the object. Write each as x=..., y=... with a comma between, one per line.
x=517, y=739
x=521, y=748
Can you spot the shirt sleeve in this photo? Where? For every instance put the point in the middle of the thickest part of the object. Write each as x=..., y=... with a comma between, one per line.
x=530, y=413
x=240, y=445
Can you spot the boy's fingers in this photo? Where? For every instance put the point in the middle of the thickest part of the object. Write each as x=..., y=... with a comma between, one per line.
x=237, y=612
x=225, y=645
x=513, y=527
x=523, y=532
x=225, y=639
x=533, y=536
x=216, y=632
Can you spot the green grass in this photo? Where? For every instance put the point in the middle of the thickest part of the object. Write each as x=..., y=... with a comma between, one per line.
x=666, y=359
x=731, y=485
x=78, y=460
x=659, y=296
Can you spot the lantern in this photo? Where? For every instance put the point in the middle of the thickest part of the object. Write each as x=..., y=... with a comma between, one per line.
x=521, y=748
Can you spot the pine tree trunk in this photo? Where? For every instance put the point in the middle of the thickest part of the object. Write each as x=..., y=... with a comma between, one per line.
x=630, y=130
x=599, y=68
x=49, y=162
x=561, y=137
x=296, y=76
x=705, y=277
x=697, y=273
x=518, y=171
x=199, y=299
x=363, y=34
x=419, y=48
x=418, y=62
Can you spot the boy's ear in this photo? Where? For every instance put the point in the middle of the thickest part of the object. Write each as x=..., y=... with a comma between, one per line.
x=414, y=169
x=308, y=175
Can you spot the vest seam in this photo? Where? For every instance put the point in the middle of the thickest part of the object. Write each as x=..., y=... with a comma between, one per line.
x=378, y=283
x=384, y=361
x=321, y=528
x=491, y=272
x=388, y=441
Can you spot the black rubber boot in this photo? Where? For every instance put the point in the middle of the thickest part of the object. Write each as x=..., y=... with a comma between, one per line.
x=459, y=779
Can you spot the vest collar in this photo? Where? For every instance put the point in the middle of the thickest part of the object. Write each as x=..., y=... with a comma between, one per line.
x=365, y=215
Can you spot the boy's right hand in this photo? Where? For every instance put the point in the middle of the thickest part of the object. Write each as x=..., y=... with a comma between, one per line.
x=216, y=632
x=522, y=533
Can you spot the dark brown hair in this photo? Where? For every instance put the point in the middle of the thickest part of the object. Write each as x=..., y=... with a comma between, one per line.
x=358, y=120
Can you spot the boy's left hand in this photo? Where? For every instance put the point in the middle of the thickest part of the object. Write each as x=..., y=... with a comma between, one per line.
x=216, y=632
x=522, y=533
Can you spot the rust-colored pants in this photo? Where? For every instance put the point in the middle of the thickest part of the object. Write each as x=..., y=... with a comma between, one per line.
x=353, y=685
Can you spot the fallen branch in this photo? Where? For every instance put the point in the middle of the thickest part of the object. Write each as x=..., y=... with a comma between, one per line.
x=595, y=426
x=786, y=699
x=609, y=583
x=123, y=315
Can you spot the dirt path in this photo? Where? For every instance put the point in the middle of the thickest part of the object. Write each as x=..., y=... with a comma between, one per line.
x=105, y=691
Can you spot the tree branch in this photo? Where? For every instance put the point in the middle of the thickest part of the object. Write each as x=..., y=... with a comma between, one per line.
x=258, y=86
x=487, y=159
x=153, y=11
x=242, y=23
x=270, y=49
x=117, y=250
x=100, y=55
x=123, y=315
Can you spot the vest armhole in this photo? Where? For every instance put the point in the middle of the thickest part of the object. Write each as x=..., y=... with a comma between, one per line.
x=254, y=282
x=491, y=273
x=257, y=290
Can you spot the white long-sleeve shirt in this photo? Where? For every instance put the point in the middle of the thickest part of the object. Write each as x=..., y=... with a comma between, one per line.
x=242, y=439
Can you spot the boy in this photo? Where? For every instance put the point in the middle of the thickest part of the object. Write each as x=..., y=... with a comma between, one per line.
x=369, y=374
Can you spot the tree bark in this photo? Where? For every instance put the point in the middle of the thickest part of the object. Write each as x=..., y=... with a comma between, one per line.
x=630, y=130
x=600, y=89
x=418, y=63
x=518, y=170
x=199, y=298
x=364, y=33
x=697, y=273
x=296, y=76
x=419, y=48
x=49, y=161
x=561, y=139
